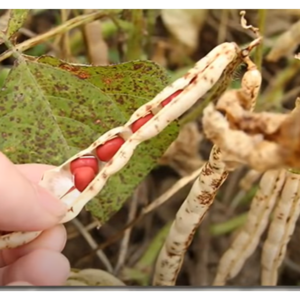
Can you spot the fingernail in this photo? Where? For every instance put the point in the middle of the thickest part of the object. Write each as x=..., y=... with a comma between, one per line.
x=53, y=205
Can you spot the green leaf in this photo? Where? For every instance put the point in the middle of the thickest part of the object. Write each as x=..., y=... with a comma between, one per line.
x=49, y=110
x=129, y=84
x=3, y=74
x=29, y=132
x=17, y=17
x=47, y=114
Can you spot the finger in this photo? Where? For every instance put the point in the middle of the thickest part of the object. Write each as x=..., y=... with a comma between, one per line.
x=25, y=206
x=40, y=267
x=34, y=172
x=51, y=239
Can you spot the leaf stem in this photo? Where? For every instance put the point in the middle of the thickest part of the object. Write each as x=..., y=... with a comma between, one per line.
x=228, y=226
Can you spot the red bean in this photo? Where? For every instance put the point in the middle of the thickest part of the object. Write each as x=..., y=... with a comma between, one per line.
x=140, y=122
x=82, y=177
x=170, y=98
x=107, y=151
x=85, y=161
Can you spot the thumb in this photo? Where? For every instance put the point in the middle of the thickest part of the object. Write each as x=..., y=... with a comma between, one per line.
x=24, y=205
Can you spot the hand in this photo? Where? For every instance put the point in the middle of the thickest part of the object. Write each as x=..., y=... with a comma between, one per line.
x=25, y=206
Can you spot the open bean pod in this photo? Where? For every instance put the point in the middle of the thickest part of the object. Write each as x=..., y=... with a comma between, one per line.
x=76, y=186
x=83, y=176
